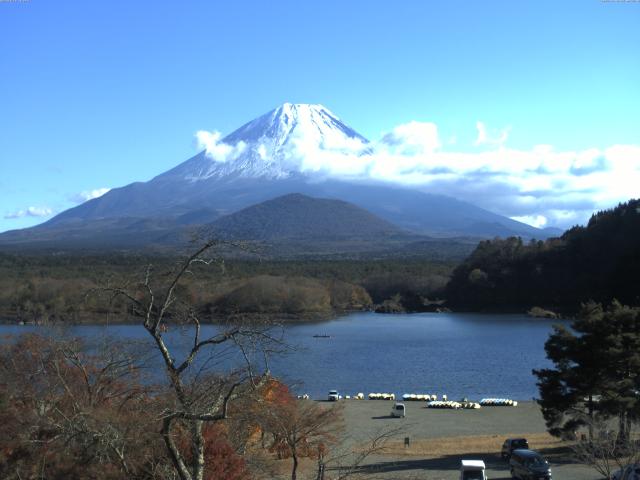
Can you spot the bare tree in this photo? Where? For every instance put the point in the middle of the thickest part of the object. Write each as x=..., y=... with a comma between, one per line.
x=606, y=450
x=349, y=461
x=198, y=395
x=301, y=428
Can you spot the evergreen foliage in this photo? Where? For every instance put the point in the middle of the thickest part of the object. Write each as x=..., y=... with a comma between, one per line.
x=598, y=262
x=597, y=371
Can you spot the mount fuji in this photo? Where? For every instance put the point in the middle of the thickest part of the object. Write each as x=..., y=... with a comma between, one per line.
x=275, y=155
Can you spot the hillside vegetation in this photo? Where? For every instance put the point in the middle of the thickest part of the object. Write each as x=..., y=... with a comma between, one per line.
x=299, y=216
x=44, y=289
x=598, y=262
x=292, y=295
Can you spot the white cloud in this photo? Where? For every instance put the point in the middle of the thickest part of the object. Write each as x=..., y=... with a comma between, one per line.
x=539, y=221
x=262, y=152
x=217, y=150
x=335, y=156
x=482, y=133
x=484, y=139
x=541, y=186
x=413, y=138
x=87, y=195
x=30, y=212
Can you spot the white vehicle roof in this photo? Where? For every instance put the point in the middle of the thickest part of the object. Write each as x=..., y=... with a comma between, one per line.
x=473, y=464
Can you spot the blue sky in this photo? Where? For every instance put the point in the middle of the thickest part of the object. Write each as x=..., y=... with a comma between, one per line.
x=99, y=94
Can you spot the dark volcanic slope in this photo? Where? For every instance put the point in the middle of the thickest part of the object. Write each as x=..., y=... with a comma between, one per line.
x=299, y=217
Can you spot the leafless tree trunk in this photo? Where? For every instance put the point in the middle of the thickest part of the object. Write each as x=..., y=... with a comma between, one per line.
x=350, y=463
x=198, y=399
x=294, y=468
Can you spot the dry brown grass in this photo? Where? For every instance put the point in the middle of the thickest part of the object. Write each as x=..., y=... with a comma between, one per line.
x=483, y=444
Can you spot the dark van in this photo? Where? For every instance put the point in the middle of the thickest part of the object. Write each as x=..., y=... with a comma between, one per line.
x=529, y=465
x=511, y=444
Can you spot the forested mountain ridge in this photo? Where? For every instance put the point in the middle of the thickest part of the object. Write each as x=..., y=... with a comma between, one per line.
x=299, y=216
x=597, y=262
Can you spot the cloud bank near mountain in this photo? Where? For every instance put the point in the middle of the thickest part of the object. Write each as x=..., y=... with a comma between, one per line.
x=216, y=149
x=541, y=186
x=87, y=195
x=30, y=212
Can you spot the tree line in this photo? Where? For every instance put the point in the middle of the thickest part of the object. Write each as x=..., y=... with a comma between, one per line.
x=51, y=289
x=597, y=262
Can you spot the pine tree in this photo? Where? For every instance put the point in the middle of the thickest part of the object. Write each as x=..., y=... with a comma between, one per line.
x=597, y=371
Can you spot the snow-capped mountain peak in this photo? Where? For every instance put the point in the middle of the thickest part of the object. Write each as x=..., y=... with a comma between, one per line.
x=289, y=119
x=273, y=145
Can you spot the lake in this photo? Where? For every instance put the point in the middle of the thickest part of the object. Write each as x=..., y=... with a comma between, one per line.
x=459, y=354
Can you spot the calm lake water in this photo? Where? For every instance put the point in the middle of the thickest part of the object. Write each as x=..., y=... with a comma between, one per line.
x=472, y=355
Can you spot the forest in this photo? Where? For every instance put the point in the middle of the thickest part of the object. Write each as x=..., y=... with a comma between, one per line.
x=598, y=262
x=54, y=289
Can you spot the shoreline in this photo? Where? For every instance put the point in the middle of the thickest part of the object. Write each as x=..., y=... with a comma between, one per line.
x=217, y=319
x=274, y=318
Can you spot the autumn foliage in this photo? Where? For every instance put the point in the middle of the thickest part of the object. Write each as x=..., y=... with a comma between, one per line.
x=66, y=413
x=72, y=412
x=69, y=410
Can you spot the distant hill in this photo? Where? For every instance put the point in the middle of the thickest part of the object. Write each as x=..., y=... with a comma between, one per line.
x=289, y=226
x=598, y=262
x=299, y=226
x=300, y=217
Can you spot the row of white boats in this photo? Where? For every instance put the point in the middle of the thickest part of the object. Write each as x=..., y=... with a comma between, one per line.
x=453, y=405
x=422, y=397
x=431, y=399
x=498, y=402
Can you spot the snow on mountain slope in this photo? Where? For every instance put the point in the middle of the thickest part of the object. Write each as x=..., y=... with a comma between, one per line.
x=279, y=153
x=273, y=146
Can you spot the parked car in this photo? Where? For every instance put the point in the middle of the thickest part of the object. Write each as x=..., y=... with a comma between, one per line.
x=511, y=444
x=630, y=472
x=334, y=396
x=398, y=410
x=472, y=470
x=529, y=465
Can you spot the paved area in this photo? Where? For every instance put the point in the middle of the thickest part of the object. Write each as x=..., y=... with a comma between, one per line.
x=439, y=439
x=367, y=416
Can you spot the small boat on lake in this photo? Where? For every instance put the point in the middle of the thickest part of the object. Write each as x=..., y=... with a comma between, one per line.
x=322, y=336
